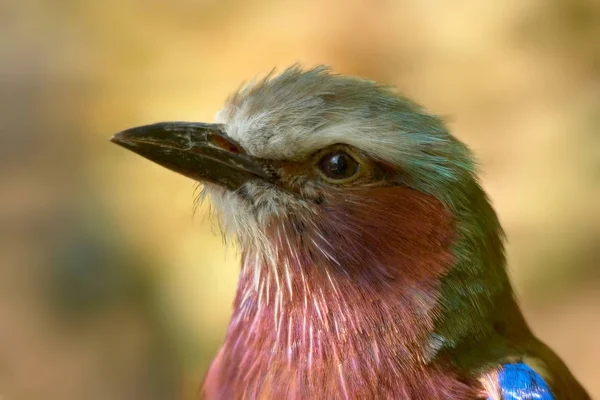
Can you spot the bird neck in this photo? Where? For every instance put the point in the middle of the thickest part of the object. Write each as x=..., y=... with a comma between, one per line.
x=348, y=315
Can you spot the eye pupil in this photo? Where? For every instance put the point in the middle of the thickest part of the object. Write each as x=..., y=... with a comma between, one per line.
x=338, y=165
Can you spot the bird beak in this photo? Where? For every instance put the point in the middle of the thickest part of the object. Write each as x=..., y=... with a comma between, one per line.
x=199, y=151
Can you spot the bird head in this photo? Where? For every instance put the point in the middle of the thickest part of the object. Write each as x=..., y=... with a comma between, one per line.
x=344, y=195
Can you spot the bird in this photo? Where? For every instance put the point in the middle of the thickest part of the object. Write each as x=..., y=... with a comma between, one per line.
x=372, y=261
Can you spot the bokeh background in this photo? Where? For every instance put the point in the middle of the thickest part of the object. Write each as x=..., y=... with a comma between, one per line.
x=111, y=289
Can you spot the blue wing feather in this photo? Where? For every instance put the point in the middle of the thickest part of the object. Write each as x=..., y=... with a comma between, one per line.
x=518, y=381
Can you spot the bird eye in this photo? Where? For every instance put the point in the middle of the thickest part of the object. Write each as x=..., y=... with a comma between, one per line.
x=338, y=166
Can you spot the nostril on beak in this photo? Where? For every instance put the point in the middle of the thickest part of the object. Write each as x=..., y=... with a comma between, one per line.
x=223, y=143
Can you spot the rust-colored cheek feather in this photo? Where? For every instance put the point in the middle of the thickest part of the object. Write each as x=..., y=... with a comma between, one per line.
x=343, y=308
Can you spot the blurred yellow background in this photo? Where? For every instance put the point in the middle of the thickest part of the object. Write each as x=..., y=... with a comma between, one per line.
x=111, y=289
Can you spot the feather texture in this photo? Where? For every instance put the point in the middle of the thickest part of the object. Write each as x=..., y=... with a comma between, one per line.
x=519, y=381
